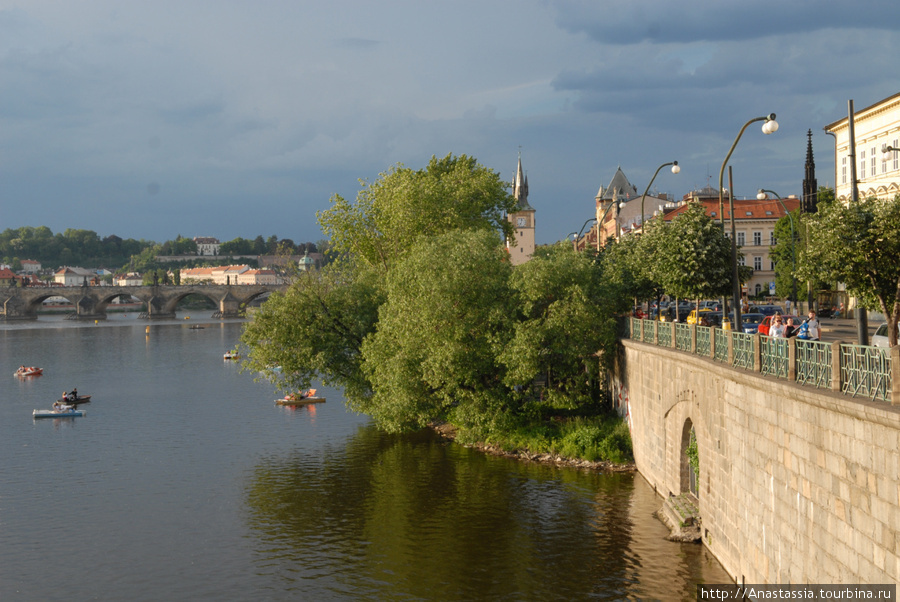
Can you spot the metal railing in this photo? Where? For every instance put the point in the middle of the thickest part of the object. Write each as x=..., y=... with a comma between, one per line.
x=721, y=339
x=703, y=336
x=775, y=356
x=743, y=355
x=857, y=371
x=866, y=371
x=664, y=331
x=684, y=337
x=814, y=363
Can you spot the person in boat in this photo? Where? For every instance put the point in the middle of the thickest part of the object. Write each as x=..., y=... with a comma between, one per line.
x=21, y=368
x=74, y=394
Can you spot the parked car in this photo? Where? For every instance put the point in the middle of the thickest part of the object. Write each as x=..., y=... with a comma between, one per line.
x=750, y=322
x=767, y=323
x=880, y=338
x=768, y=310
x=711, y=318
x=694, y=316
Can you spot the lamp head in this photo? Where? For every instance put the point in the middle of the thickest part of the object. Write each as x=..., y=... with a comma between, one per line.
x=770, y=126
x=675, y=167
x=761, y=195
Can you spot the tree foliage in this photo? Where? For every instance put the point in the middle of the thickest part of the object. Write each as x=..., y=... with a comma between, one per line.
x=858, y=244
x=423, y=318
x=453, y=193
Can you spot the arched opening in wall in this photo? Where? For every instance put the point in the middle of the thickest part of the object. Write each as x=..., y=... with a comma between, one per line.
x=690, y=460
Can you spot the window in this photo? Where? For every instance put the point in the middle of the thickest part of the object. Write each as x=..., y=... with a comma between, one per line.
x=862, y=164
x=771, y=265
x=772, y=240
x=758, y=289
x=873, y=160
x=757, y=239
x=843, y=170
x=742, y=260
x=896, y=155
x=740, y=239
x=885, y=157
x=757, y=263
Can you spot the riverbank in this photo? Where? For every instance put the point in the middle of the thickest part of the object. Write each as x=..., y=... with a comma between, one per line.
x=448, y=431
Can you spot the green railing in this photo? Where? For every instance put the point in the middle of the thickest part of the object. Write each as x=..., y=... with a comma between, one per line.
x=814, y=363
x=775, y=356
x=721, y=338
x=684, y=337
x=703, y=334
x=866, y=371
x=743, y=350
x=664, y=332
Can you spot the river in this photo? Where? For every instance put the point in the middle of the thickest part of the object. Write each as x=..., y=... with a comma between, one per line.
x=185, y=482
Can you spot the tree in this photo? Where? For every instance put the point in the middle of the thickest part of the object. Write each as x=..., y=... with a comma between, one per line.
x=785, y=255
x=858, y=244
x=315, y=330
x=567, y=310
x=453, y=193
x=434, y=353
x=693, y=256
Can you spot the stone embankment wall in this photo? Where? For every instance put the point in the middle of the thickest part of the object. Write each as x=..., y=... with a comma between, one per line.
x=796, y=485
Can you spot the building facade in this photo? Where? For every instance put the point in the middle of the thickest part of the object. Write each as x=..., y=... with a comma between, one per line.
x=754, y=230
x=522, y=220
x=207, y=245
x=877, y=173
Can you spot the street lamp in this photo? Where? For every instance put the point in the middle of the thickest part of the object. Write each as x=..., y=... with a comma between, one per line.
x=769, y=127
x=675, y=169
x=575, y=239
x=762, y=196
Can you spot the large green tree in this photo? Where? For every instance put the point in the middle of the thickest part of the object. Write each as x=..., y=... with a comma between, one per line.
x=858, y=244
x=434, y=354
x=403, y=204
x=566, y=324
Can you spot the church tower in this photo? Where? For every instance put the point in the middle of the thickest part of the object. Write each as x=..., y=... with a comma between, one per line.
x=522, y=220
x=810, y=200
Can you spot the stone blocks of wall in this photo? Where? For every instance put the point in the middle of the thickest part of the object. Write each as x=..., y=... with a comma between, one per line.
x=797, y=485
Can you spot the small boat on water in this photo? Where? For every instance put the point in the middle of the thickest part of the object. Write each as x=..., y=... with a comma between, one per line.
x=28, y=371
x=300, y=399
x=76, y=401
x=65, y=412
x=232, y=355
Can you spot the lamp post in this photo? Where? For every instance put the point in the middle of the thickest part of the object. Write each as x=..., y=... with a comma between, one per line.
x=583, y=226
x=769, y=127
x=762, y=196
x=675, y=169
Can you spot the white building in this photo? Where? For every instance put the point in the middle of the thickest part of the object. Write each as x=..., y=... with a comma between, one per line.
x=75, y=276
x=258, y=277
x=878, y=173
x=207, y=245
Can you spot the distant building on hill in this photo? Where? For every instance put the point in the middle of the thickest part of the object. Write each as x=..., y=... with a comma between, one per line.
x=68, y=276
x=30, y=266
x=207, y=245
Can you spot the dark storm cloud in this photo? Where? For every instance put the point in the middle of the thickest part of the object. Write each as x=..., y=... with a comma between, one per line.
x=661, y=21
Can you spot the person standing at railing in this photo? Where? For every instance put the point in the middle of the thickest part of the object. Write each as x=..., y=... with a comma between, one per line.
x=789, y=328
x=777, y=329
x=813, y=327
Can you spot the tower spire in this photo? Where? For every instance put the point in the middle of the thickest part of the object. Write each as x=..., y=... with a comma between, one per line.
x=809, y=202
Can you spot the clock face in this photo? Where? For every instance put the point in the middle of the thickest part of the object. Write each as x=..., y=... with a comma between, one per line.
x=520, y=221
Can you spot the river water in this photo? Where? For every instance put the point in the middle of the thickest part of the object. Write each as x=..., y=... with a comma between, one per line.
x=185, y=482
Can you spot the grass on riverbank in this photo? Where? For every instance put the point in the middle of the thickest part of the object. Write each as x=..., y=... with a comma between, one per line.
x=595, y=438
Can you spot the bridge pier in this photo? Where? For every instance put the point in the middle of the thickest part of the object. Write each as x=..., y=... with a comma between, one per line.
x=156, y=309
x=15, y=309
x=86, y=309
x=229, y=307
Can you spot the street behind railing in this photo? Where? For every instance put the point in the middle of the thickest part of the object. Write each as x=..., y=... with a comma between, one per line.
x=855, y=370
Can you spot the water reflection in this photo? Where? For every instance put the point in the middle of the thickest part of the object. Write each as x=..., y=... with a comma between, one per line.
x=411, y=516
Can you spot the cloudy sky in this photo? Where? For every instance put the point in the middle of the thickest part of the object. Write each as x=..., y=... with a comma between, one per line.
x=236, y=118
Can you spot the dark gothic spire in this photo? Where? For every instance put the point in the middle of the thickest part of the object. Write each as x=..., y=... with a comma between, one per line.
x=810, y=200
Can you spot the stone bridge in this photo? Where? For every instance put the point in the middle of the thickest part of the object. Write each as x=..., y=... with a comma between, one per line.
x=90, y=302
